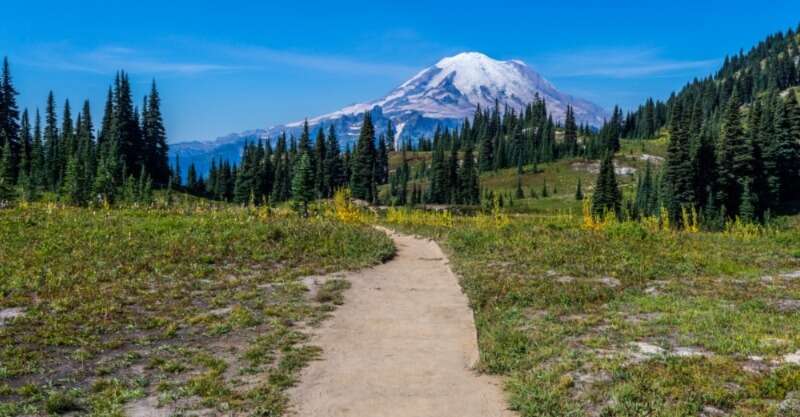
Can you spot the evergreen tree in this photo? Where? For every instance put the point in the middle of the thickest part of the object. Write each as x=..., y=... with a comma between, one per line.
x=144, y=189
x=470, y=186
x=646, y=203
x=37, y=170
x=578, y=191
x=679, y=170
x=74, y=182
x=704, y=164
x=747, y=206
x=67, y=141
x=518, y=156
x=7, y=191
x=784, y=152
x=382, y=162
x=486, y=154
x=53, y=150
x=391, y=138
x=9, y=118
x=191, y=179
x=125, y=129
x=107, y=167
x=570, y=132
x=402, y=175
x=363, y=170
x=437, y=192
x=244, y=185
x=452, y=183
x=281, y=189
x=25, y=145
x=735, y=158
x=519, y=193
x=607, y=196
x=86, y=145
x=322, y=179
x=335, y=175
x=177, y=180
x=155, y=138
x=303, y=184
x=106, y=128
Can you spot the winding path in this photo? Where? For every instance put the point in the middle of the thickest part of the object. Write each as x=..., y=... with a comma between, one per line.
x=402, y=345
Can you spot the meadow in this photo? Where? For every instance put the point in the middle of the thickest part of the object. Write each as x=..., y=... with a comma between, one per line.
x=191, y=308
x=625, y=320
x=559, y=177
x=201, y=307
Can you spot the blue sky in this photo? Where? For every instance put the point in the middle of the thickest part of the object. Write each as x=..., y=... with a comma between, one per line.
x=229, y=66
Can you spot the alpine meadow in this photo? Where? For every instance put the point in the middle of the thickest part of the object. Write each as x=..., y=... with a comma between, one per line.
x=475, y=242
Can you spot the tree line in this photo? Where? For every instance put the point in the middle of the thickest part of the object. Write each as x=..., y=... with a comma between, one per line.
x=734, y=141
x=769, y=66
x=122, y=160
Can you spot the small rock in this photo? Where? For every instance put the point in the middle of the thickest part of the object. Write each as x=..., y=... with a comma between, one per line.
x=624, y=170
x=787, y=306
x=642, y=318
x=792, y=358
x=594, y=168
x=652, y=291
x=756, y=366
x=220, y=311
x=790, y=407
x=686, y=352
x=709, y=411
x=503, y=264
x=648, y=349
x=8, y=314
x=610, y=282
x=591, y=378
x=566, y=279
x=147, y=407
x=732, y=387
x=651, y=158
x=270, y=285
x=791, y=275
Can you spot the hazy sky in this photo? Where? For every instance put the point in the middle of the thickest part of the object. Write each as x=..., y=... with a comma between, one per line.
x=228, y=66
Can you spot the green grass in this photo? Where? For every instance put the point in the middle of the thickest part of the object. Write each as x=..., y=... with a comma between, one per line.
x=558, y=308
x=196, y=305
x=560, y=176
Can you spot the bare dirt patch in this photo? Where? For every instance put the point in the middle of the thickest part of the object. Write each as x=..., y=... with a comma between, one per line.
x=594, y=168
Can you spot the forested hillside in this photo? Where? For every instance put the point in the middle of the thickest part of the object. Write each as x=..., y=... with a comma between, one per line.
x=124, y=159
x=734, y=136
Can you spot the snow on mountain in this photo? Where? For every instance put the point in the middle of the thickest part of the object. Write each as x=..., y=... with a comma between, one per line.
x=455, y=86
x=441, y=95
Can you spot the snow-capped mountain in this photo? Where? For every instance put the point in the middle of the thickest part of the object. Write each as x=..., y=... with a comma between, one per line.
x=441, y=95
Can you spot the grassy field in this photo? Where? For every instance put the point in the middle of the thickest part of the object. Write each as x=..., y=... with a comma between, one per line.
x=200, y=307
x=626, y=321
x=191, y=308
x=560, y=177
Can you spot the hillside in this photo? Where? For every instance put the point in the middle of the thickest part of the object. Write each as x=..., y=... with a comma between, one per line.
x=773, y=65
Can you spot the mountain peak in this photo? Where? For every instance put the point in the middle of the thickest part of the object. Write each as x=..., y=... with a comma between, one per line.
x=443, y=95
x=455, y=86
x=468, y=57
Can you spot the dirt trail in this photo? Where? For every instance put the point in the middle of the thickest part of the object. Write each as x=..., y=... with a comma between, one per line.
x=402, y=345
